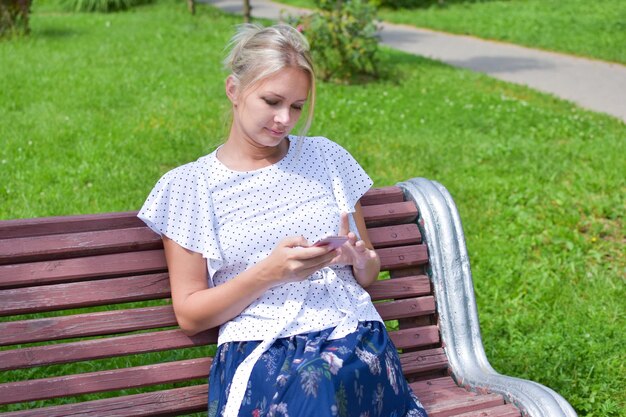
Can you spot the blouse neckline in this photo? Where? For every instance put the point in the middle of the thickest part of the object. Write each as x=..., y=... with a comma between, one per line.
x=290, y=140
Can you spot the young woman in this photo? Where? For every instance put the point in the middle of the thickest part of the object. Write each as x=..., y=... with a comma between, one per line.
x=299, y=335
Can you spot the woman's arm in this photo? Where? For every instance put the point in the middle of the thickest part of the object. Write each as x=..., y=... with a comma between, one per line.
x=198, y=307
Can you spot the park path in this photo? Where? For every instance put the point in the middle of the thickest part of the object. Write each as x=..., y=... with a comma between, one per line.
x=592, y=84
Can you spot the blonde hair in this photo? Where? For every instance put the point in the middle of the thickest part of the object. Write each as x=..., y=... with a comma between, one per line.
x=257, y=52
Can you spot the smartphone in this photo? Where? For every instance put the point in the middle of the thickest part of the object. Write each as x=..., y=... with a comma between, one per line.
x=332, y=241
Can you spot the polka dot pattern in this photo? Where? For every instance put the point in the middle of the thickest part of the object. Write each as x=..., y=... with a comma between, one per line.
x=235, y=219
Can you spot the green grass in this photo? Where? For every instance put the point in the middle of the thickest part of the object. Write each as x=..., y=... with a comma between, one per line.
x=94, y=108
x=595, y=29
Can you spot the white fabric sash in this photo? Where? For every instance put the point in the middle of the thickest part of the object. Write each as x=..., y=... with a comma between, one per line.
x=294, y=303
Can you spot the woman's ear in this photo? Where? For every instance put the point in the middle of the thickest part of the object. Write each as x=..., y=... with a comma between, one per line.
x=231, y=89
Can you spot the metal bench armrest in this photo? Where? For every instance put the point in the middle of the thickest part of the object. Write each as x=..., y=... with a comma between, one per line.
x=456, y=305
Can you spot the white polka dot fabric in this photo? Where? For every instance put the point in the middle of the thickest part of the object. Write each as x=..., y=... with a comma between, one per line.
x=235, y=219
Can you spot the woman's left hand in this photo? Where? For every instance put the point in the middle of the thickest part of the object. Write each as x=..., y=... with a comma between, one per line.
x=354, y=252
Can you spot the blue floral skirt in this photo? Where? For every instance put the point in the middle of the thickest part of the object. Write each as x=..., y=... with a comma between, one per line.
x=310, y=376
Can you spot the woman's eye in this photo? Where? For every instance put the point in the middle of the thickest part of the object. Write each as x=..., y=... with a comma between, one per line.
x=299, y=108
x=270, y=102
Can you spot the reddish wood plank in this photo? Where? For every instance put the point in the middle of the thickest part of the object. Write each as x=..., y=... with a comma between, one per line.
x=406, y=287
x=158, y=374
x=462, y=403
x=102, y=348
x=84, y=294
x=179, y=401
x=67, y=270
x=506, y=410
x=415, y=337
x=443, y=398
x=410, y=307
x=431, y=385
x=387, y=214
x=69, y=245
x=402, y=257
x=396, y=235
x=102, y=381
x=41, y=226
x=423, y=361
x=392, y=194
x=83, y=325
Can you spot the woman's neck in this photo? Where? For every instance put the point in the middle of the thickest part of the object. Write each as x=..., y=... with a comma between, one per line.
x=241, y=155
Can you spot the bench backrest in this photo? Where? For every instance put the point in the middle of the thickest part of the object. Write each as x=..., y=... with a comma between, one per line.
x=84, y=309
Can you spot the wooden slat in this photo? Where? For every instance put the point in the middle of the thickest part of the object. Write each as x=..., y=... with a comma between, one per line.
x=41, y=226
x=68, y=270
x=102, y=348
x=387, y=214
x=157, y=341
x=102, y=381
x=411, y=307
x=84, y=294
x=382, y=195
x=102, y=266
x=120, y=321
x=431, y=385
x=442, y=398
x=423, y=361
x=405, y=287
x=70, y=245
x=402, y=234
x=506, y=410
x=415, y=337
x=461, y=402
x=169, y=372
x=179, y=401
x=84, y=325
x=402, y=257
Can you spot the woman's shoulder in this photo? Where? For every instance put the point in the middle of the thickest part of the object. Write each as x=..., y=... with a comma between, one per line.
x=190, y=171
x=327, y=148
x=321, y=143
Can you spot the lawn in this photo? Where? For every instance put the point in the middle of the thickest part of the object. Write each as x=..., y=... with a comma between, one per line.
x=594, y=29
x=94, y=108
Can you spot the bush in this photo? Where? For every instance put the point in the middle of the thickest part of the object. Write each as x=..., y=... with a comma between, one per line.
x=416, y=4
x=104, y=6
x=343, y=38
x=14, y=17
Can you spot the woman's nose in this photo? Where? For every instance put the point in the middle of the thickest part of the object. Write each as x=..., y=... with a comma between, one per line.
x=282, y=116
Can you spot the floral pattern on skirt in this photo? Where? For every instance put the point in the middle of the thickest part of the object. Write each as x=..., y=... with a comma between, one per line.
x=308, y=375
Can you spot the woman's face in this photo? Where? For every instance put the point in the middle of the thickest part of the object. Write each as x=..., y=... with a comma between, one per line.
x=265, y=113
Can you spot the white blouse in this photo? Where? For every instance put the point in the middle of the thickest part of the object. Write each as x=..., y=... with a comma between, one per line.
x=235, y=219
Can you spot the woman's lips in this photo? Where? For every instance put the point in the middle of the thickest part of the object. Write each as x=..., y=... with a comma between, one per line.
x=276, y=132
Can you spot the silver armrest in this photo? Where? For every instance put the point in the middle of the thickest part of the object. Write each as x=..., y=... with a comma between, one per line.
x=456, y=304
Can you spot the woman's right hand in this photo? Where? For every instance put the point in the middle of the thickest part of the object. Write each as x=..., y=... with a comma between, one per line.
x=294, y=260
x=198, y=307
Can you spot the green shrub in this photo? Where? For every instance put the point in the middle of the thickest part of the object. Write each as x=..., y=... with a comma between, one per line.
x=344, y=40
x=14, y=17
x=104, y=6
x=416, y=4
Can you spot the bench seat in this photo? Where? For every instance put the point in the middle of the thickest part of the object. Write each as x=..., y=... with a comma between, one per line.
x=87, y=328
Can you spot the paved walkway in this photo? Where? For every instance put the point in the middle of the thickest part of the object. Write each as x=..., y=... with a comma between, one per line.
x=592, y=84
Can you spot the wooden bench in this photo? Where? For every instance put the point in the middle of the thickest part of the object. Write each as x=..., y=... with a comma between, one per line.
x=87, y=328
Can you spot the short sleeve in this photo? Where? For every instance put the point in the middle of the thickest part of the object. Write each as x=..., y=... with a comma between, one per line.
x=180, y=207
x=349, y=180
